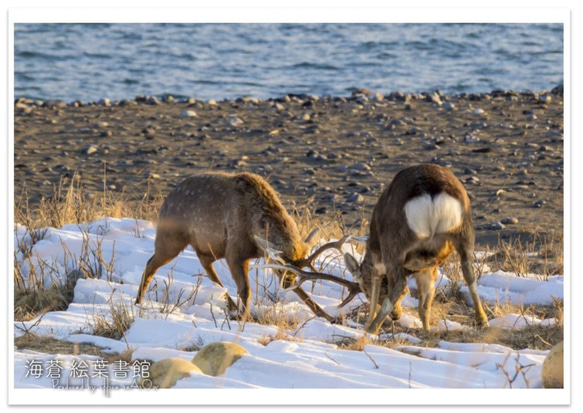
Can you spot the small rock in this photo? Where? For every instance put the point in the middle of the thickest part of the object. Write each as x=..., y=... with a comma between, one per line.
x=539, y=204
x=149, y=131
x=491, y=226
x=234, y=121
x=23, y=110
x=152, y=100
x=91, y=149
x=361, y=99
x=509, y=221
x=104, y=102
x=312, y=154
x=188, y=114
x=482, y=150
x=376, y=96
x=434, y=97
x=396, y=95
x=478, y=111
x=554, y=134
x=360, y=167
x=355, y=197
x=495, y=226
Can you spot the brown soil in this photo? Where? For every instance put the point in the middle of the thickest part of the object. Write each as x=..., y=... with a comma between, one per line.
x=336, y=153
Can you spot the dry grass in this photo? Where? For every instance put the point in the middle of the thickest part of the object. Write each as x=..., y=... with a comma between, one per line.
x=70, y=204
x=39, y=286
x=542, y=255
x=280, y=335
x=115, y=322
x=41, y=290
x=532, y=336
x=34, y=302
x=31, y=341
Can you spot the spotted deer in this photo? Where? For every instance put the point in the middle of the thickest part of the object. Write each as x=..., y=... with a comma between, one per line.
x=231, y=216
x=418, y=221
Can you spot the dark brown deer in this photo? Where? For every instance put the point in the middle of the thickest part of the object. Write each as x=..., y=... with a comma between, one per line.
x=224, y=216
x=418, y=221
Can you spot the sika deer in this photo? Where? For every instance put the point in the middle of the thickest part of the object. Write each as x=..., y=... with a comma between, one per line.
x=419, y=219
x=224, y=216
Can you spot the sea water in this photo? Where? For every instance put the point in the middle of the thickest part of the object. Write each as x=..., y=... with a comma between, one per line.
x=223, y=61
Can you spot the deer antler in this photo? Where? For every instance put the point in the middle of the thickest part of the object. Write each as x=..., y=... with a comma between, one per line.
x=296, y=268
x=303, y=276
x=309, y=261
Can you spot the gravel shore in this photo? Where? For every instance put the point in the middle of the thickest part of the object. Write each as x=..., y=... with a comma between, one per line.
x=338, y=152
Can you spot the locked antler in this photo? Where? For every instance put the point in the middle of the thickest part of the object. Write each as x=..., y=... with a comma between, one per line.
x=309, y=261
x=303, y=276
x=297, y=268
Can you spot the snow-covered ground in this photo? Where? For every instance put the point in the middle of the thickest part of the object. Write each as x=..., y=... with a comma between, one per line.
x=307, y=359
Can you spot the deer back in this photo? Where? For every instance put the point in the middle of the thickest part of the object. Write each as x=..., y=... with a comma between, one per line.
x=215, y=209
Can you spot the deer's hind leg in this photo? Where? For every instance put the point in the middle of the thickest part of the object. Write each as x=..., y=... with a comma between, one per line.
x=167, y=246
x=206, y=260
x=465, y=246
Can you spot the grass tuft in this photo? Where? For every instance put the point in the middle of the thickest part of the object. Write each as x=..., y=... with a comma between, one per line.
x=114, y=323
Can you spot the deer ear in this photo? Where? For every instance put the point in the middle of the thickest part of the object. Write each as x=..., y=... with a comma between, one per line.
x=352, y=265
x=311, y=238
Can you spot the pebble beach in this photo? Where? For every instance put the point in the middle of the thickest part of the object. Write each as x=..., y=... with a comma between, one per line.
x=335, y=154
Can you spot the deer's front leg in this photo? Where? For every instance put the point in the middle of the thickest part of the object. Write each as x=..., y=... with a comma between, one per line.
x=377, y=279
x=396, y=292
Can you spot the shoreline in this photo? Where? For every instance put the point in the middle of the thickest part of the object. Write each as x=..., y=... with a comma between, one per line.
x=356, y=94
x=505, y=146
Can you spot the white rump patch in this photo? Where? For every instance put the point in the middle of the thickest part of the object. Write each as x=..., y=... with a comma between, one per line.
x=427, y=216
